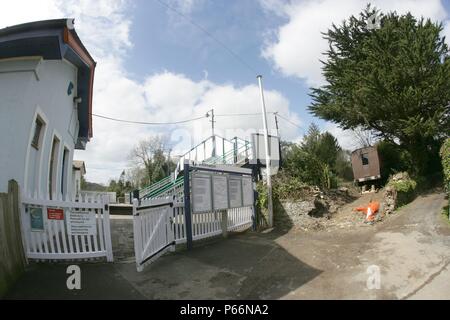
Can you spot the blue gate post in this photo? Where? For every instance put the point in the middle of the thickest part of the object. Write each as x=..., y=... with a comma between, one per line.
x=187, y=206
x=135, y=196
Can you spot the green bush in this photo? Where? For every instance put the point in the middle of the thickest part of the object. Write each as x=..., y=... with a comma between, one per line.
x=406, y=190
x=393, y=159
x=445, y=158
x=317, y=161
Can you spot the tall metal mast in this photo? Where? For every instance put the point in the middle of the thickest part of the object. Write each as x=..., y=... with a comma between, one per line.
x=266, y=140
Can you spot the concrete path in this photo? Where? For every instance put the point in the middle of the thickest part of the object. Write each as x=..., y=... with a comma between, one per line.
x=411, y=251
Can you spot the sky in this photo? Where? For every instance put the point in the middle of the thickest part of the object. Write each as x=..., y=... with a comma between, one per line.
x=172, y=60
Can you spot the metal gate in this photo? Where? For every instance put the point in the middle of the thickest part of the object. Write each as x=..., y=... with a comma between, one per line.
x=152, y=228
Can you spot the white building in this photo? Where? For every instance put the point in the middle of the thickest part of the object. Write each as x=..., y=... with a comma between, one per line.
x=78, y=171
x=46, y=84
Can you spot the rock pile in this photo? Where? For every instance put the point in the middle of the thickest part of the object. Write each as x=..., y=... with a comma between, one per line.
x=390, y=197
x=313, y=212
x=389, y=200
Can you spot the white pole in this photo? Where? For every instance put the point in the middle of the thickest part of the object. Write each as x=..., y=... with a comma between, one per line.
x=266, y=140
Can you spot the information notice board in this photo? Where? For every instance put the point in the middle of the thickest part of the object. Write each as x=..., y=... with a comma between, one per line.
x=201, y=193
x=218, y=191
x=82, y=223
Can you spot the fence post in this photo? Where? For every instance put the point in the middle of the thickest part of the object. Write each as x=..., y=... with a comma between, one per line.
x=137, y=236
x=13, y=199
x=12, y=255
x=169, y=225
x=107, y=230
x=224, y=223
x=187, y=205
x=135, y=194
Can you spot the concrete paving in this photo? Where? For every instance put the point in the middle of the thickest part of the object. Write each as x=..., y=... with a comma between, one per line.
x=411, y=251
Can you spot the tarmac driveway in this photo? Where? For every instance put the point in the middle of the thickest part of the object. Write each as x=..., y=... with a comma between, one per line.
x=411, y=251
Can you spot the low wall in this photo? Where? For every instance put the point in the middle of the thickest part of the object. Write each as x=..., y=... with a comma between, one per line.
x=12, y=258
x=111, y=195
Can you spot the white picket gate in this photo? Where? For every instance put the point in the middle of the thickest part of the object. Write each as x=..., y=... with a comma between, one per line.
x=54, y=241
x=152, y=230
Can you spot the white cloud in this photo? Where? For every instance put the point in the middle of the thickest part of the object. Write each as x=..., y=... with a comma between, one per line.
x=179, y=10
x=298, y=45
x=446, y=31
x=350, y=139
x=21, y=11
x=175, y=97
x=184, y=6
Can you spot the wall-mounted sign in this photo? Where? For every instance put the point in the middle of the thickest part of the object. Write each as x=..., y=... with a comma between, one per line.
x=247, y=191
x=36, y=219
x=55, y=214
x=220, y=192
x=235, y=191
x=81, y=223
x=201, y=193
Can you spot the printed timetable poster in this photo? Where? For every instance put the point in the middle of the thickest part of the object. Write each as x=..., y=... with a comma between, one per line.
x=247, y=191
x=235, y=187
x=201, y=193
x=220, y=192
x=36, y=219
x=81, y=223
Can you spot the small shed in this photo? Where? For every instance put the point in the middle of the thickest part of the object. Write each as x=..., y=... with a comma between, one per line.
x=366, y=164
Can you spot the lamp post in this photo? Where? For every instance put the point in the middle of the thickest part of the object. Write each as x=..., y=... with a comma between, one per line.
x=212, y=131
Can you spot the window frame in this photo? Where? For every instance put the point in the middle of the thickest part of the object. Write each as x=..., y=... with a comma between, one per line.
x=36, y=140
x=365, y=156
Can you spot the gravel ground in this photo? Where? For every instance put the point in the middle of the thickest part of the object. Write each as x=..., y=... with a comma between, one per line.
x=338, y=214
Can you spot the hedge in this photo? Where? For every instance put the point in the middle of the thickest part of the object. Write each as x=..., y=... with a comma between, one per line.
x=445, y=156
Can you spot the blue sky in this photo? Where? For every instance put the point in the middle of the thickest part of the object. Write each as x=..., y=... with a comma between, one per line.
x=153, y=65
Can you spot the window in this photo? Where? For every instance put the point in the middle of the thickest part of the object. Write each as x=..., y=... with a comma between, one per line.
x=64, y=171
x=37, y=133
x=365, y=159
x=52, y=186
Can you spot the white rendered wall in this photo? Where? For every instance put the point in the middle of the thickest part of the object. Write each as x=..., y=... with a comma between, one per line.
x=28, y=89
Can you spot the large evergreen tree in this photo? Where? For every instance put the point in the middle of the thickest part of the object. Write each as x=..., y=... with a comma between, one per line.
x=394, y=80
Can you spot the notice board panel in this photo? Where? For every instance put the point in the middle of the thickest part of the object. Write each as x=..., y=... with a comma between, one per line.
x=235, y=191
x=247, y=191
x=81, y=223
x=201, y=193
x=220, y=192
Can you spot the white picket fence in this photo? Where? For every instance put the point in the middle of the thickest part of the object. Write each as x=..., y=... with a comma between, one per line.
x=54, y=241
x=209, y=224
x=240, y=218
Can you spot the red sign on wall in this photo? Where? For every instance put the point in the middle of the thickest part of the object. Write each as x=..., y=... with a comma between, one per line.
x=55, y=214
